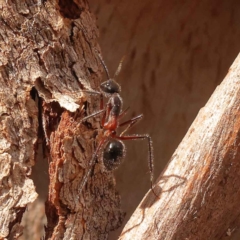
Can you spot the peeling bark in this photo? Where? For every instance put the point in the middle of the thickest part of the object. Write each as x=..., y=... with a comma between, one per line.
x=199, y=189
x=48, y=54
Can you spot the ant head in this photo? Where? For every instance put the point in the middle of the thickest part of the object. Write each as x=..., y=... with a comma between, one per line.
x=110, y=87
x=113, y=153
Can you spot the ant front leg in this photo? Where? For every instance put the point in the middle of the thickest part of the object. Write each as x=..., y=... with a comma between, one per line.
x=106, y=114
x=123, y=113
x=92, y=115
x=101, y=105
x=106, y=111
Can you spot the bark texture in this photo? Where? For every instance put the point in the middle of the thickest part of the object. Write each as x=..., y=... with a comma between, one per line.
x=199, y=189
x=48, y=54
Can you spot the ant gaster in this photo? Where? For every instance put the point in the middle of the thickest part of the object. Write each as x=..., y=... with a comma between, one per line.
x=111, y=145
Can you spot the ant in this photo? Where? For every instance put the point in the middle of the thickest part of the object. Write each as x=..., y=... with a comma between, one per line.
x=113, y=148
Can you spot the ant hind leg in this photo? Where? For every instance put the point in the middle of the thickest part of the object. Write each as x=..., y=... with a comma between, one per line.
x=150, y=152
x=130, y=123
x=91, y=164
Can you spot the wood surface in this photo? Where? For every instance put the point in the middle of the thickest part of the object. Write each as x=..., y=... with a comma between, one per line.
x=199, y=189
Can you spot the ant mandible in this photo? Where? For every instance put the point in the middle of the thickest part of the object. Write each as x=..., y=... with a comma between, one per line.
x=113, y=148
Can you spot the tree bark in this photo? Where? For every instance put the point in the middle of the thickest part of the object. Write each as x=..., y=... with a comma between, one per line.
x=199, y=189
x=49, y=53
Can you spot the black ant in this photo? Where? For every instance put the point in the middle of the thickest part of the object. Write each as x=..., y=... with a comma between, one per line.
x=113, y=148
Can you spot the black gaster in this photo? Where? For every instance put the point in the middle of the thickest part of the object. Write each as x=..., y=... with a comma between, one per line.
x=113, y=153
x=116, y=105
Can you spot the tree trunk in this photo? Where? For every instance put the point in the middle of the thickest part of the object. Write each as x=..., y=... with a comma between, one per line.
x=199, y=189
x=49, y=53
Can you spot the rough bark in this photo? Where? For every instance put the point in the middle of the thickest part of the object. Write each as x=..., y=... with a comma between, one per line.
x=199, y=189
x=48, y=54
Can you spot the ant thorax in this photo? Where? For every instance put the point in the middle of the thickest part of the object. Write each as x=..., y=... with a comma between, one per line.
x=115, y=103
x=113, y=110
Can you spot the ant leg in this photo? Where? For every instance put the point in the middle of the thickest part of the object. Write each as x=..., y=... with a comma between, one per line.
x=95, y=92
x=106, y=114
x=85, y=178
x=123, y=113
x=89, y=116
x=101, y=101
x=150, y=153
x=101, y=105
x=92, y=115
x=90, y=165
x=131, y=122
x=91, y=92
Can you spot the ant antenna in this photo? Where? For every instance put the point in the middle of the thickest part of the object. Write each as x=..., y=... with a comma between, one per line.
x=119, y=67
x=104, y=65
x=106, y=69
